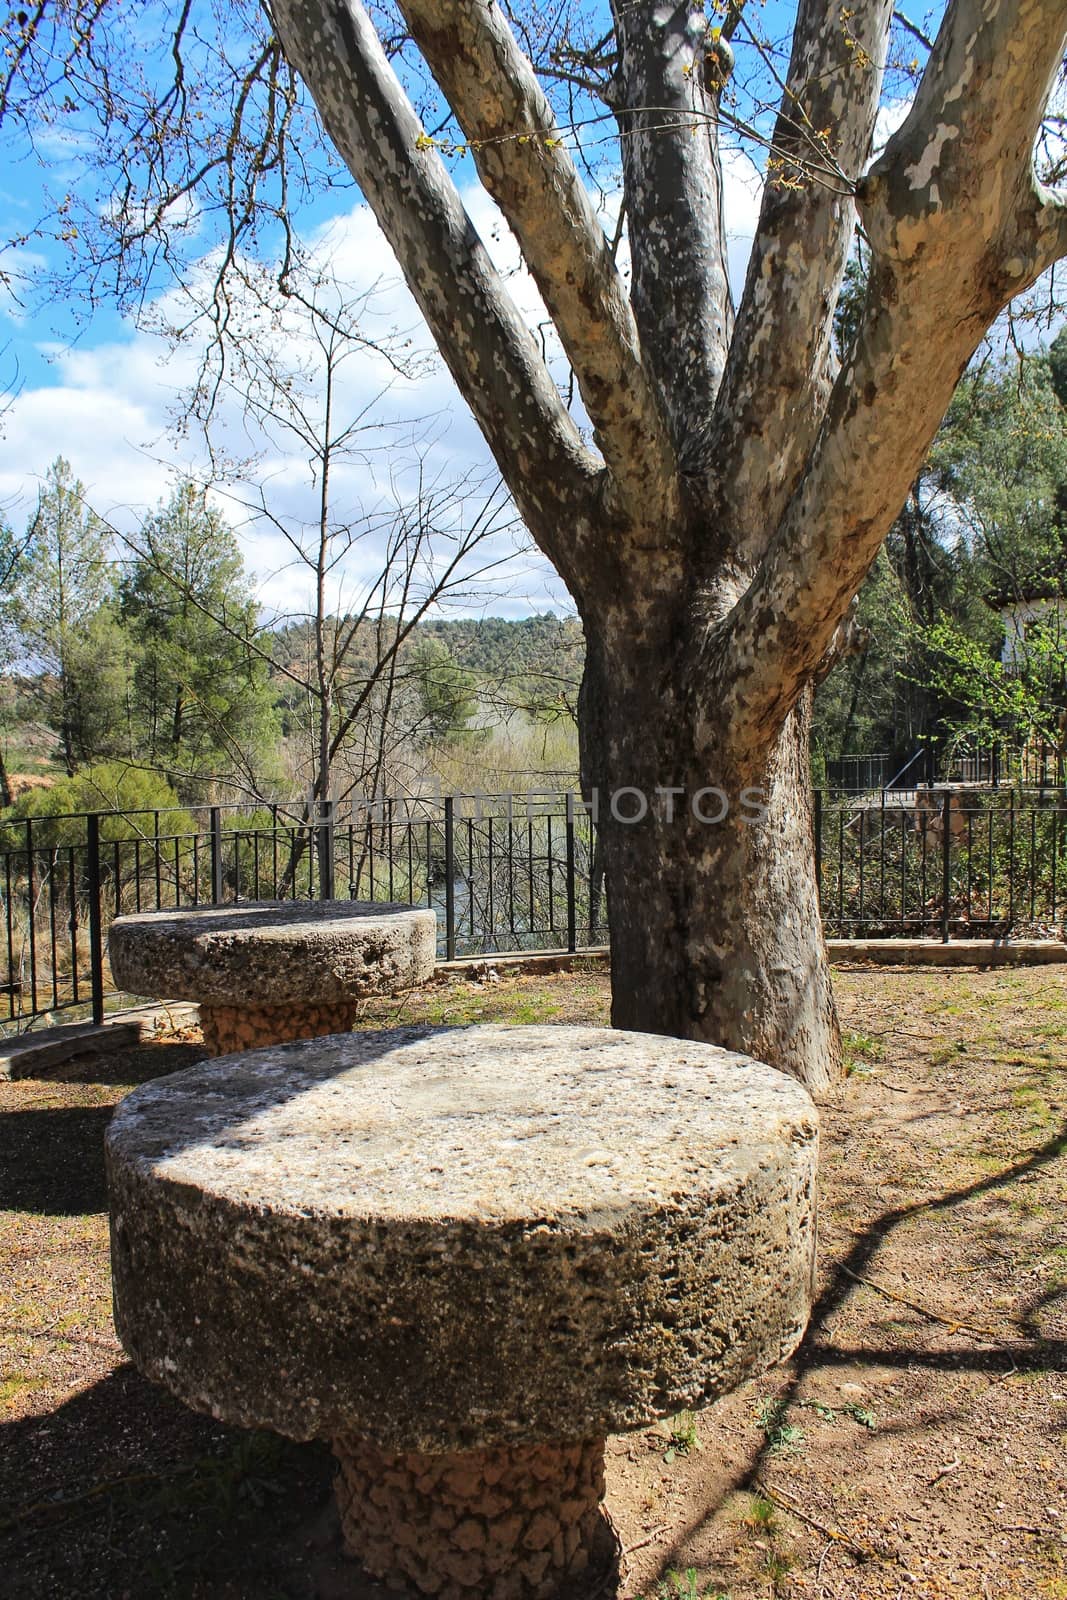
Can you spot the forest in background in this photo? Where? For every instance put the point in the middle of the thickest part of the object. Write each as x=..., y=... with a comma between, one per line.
x=143, y=672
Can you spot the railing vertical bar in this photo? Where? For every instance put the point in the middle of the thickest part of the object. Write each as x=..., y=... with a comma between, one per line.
x=10, y=932
x=470, y=876
x=490, y=906
x=450, y=880
x=572, y=910
x=863, y=856
x=1055, y=852
x=409, y=830
x=216, y=856
x=53, y=927
x=96, y=920
x=72, y=924
x=946, y=863
x=1011, y=858
x=551, y=855
x=31, y=893
x=389, y=845
x=327, y=882
x=841, y=866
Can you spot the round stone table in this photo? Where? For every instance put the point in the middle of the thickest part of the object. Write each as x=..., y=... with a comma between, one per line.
x=264, y=971
x=465, y=1256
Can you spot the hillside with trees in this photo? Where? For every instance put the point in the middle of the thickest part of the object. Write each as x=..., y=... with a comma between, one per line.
x=153, y=652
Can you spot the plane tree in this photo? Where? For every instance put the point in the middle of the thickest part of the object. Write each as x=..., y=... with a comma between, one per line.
x=736, y=479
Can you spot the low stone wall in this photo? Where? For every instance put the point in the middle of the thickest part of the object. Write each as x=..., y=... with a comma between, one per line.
x=881, y=952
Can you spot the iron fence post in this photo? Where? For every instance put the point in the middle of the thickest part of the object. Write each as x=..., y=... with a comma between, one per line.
x=817, y=828
x=946, y=863
x=96, y=920
x=450, y=875
x=572, y=914
x=325, y=844
x=216, y=856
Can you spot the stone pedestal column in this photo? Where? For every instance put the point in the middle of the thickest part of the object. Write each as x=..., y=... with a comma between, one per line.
x=243, y=1027
x=463, y=1256
x=519, y=1523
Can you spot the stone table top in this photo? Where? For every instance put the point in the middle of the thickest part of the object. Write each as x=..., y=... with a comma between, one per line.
x=263, y=952
x=446, y=1238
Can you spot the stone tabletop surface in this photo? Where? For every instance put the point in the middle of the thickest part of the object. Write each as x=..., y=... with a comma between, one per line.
x=442, y=1238
x=269, y=951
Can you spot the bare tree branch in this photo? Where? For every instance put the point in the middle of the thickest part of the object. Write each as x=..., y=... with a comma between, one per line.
x=947, y=255
x=781, y=361
x=524, y=164
x=673, y=186
x=484, y=340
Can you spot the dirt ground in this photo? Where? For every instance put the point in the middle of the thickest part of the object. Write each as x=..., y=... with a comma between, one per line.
x=915, y=1446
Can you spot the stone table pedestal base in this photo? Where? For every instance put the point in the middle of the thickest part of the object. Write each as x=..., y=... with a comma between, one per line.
x=228, y=1028
x=519, y=1523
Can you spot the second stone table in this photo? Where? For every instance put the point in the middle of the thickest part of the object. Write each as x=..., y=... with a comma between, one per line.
x=264, y=971
x=464, y=1255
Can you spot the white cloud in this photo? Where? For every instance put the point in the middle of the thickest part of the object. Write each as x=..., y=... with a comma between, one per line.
x=109, y=410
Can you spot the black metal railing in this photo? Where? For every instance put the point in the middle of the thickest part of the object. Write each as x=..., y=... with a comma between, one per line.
x=504, y=873
x=943, y=862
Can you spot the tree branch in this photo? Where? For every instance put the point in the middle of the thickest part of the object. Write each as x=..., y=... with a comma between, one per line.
x=782, y=360
x=489, y=349
x=957, y=227
x=669, y=138
x=525, y=166
x=912, y=28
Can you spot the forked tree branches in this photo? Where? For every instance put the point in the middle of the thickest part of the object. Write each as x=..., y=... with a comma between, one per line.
x=948, y=253
x=524, y=164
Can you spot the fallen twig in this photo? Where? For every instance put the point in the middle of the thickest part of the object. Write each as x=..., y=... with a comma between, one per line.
x=37, y=1508
x=649, y=1539
x=784, y=1502
x=953, y=1325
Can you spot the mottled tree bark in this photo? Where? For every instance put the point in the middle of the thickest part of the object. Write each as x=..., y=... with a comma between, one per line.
x=741, y=483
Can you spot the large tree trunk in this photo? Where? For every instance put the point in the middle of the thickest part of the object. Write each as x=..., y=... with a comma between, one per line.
x=709, y=865
x=739, y=480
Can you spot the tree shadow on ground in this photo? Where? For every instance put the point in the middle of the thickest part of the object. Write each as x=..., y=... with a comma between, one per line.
x=1032, y=1352
x=52, y=1161
x=52, y=1158
x=124, y=1068
x=123, y=1491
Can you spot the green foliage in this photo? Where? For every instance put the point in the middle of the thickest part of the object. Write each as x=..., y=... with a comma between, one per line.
x=201, y=697
x=686, y=1586
x=984, y=524
x=114, y=787
x=987, y=698
x=447, y=694
x=781, y=1437
x=63, y=607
